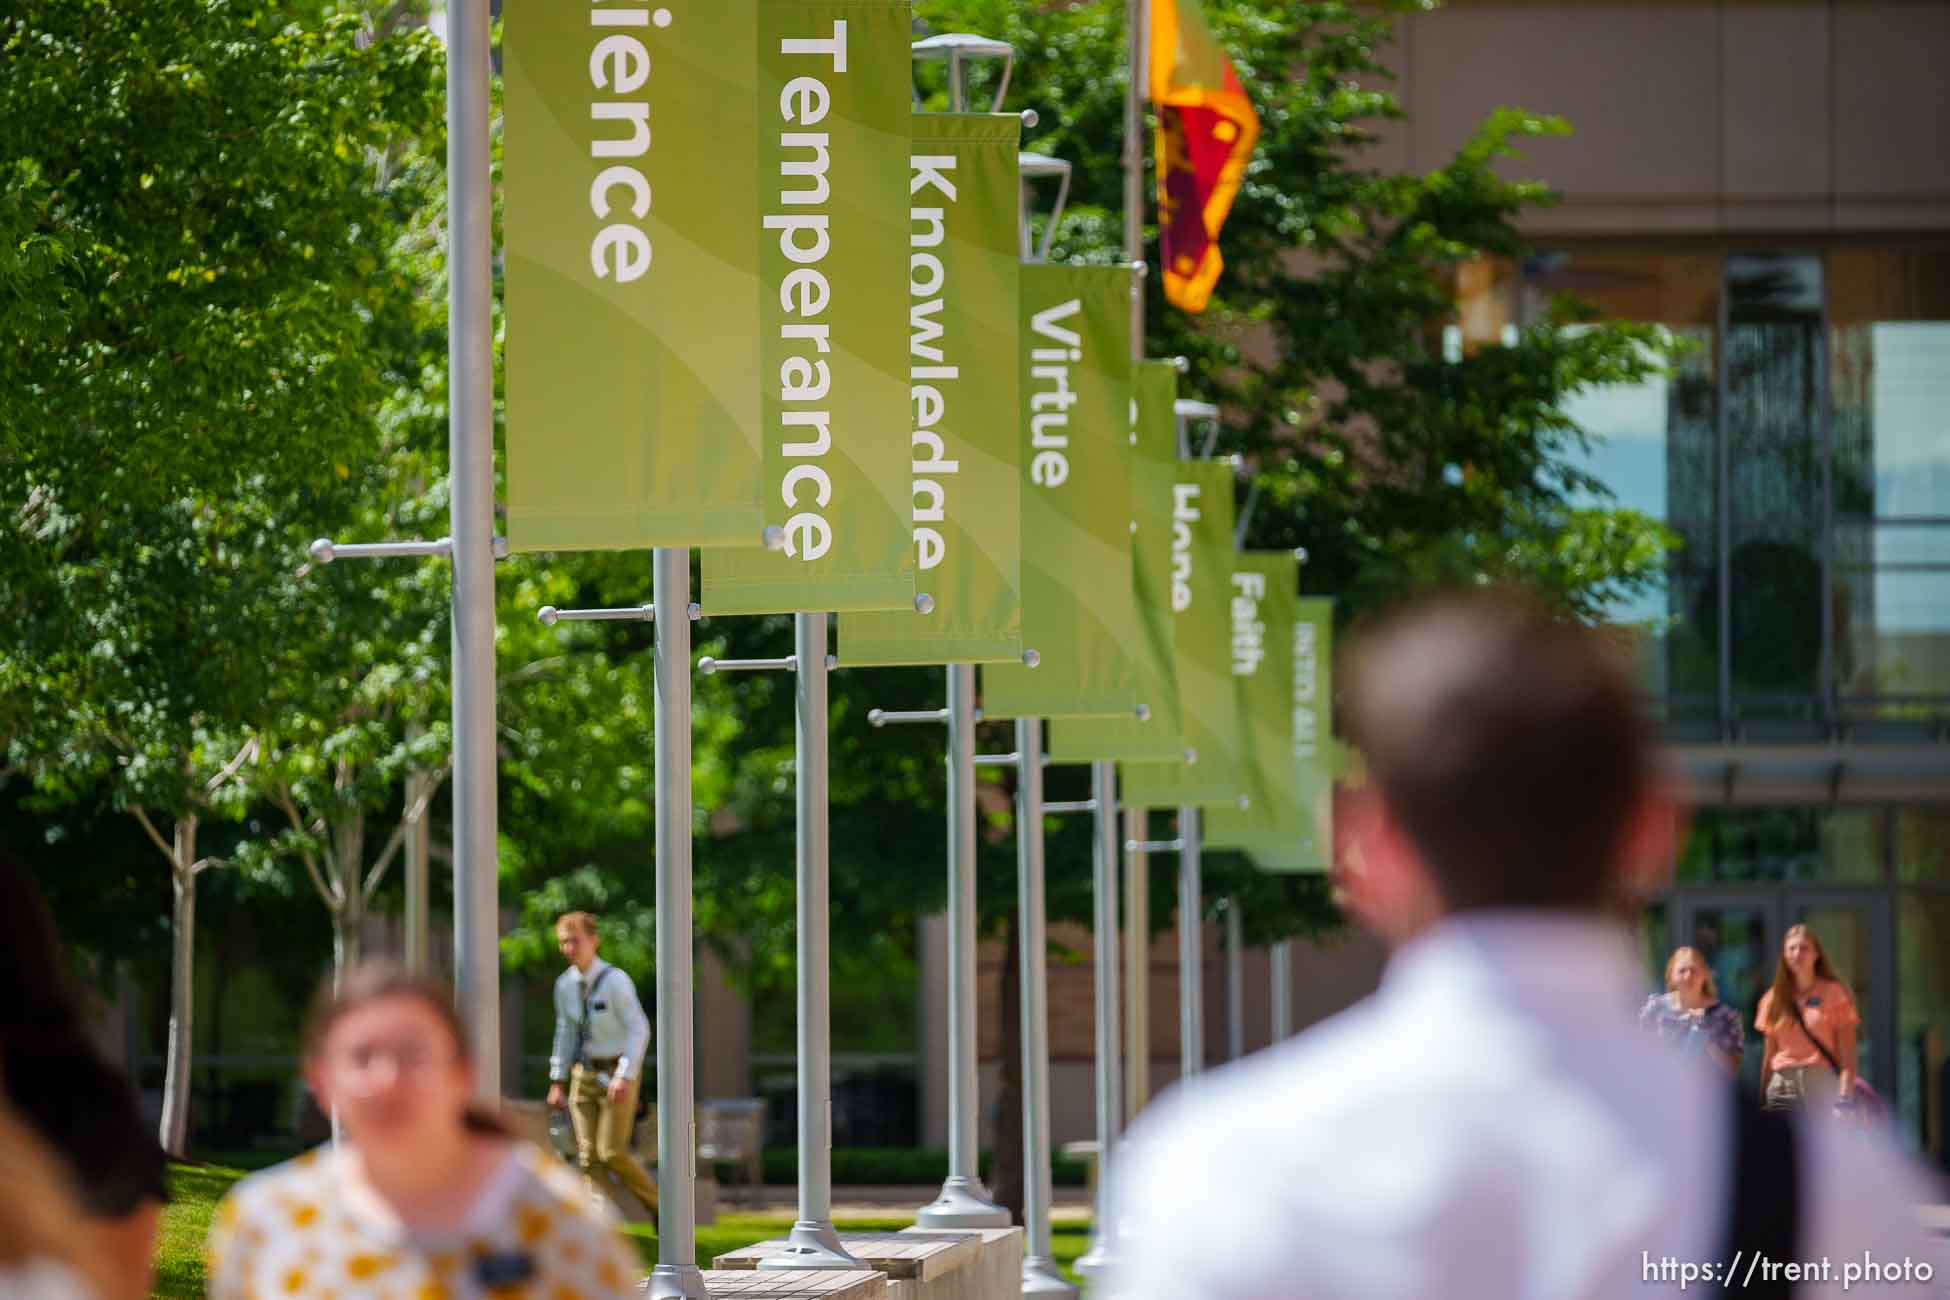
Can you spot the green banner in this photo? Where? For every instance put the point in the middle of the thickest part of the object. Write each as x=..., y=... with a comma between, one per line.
x=1264, y=593
x=1303, y=840
x=1201, y=572
x=1074, y=431
x=962, y=301
x=834, y=89
x=1154, y=468
x=633, y=416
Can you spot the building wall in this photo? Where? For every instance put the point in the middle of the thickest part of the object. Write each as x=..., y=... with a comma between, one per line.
x=1695, y=118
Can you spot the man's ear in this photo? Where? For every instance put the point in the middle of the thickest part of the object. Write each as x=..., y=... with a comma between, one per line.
x=1379, y=879
x=1650, y=846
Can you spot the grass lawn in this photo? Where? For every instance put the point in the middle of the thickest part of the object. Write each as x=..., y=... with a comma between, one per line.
x=196, y=1189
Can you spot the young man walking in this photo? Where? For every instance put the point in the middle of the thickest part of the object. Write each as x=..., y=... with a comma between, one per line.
x=601, y=1039
x=1491, y=1124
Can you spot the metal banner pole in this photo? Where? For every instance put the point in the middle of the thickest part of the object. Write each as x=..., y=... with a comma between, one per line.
x=470, y=440
x=1235, y=982
x=1104, y=945
x=676, y=1273
x=1039, y=1275
x=963, y=1201
x=1137, y=964
x=1191, y=985
x=1281, y=955
x=813, y=1243
x=416, y=850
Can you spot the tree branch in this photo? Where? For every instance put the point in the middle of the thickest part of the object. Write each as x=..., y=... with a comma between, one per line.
x=155, y=836
x=202, y=865
x=397, y=840
x=330, y=897
x=244, y=755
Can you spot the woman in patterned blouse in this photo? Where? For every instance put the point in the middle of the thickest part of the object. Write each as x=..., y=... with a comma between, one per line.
x=426, y=1198
x=1691, y=1014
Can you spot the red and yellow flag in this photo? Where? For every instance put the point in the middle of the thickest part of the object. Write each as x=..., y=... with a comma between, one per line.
x=1206, y=132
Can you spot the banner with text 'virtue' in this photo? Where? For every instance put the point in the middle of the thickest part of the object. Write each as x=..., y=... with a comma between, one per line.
x=962, y=304
x=834, y=133
x=632, y=382
x=1154, y=468
x=1074, y=428
x=1201, y=576
x=1302, y=837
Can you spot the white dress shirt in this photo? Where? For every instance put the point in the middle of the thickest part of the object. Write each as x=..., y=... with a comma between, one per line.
x=1492, y=1123
x=617, y=1024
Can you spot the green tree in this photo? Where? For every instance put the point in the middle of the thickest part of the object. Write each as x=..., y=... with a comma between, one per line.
x=197, y=211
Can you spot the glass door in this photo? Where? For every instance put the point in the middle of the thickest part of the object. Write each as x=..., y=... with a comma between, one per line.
x=1739, y=932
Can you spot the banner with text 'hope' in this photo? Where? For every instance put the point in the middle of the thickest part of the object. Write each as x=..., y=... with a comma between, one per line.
x=1074, y=427
x=962, y=303
x=834, y=132
x=632, y=281
x=1201, y=577
x=1154, y=468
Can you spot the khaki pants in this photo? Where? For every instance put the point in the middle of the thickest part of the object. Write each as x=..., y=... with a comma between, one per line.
x=603, y=1129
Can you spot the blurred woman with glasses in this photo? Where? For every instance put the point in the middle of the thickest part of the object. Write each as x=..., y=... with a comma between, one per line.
x=426, y=1195
x=1690, y=1014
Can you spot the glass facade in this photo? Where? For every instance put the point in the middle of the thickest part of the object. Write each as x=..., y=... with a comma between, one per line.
x=1800, y=450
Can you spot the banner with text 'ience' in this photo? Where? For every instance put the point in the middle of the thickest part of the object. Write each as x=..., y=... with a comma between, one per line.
x=1303, y=837
x=834, y=134
x=1263, y=593
x=962, y=303
x=1074, y=427
x=633, y=414
x=1154, y=468
x=1201, y=577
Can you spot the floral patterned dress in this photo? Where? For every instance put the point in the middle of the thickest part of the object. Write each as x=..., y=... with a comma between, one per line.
x=294, y=1233
x=1716, y=1025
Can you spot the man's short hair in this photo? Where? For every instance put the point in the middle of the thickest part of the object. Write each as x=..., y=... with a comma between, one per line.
x=583, y=921
x=1506, y=742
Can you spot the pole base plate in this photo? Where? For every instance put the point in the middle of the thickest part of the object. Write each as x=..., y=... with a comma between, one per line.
x=1040, y=1278
x=675, y=1282
x=962, y=1203
x=812, y=1243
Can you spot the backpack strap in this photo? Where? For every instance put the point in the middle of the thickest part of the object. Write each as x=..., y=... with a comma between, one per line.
x=1794, y=1009
x=1765, y=1221
x=582, y=1024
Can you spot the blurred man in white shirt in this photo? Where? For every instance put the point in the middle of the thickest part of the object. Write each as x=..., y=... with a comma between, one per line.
x=601, y=1038
x=1492, y=1123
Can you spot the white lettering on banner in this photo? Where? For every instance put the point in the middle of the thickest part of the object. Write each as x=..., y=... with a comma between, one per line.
x=804, y=240
x=1306, y=734
x=926, y=284
x=619, y=64
x=1049, y=421
x=1248, y=633
x=1184, y=513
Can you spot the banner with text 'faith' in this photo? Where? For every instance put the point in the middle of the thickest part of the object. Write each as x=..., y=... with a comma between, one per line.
x=1201, y=576
x=962, y=303
x=1263, y=595
x=1302, y=839
x=632, y=283
x=1074, y=427
x=1154, y=468
x=834, y=131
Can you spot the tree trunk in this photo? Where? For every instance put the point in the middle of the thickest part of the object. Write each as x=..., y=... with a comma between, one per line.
x=349, y=917
x=1007, y=1182
x=174, y=1129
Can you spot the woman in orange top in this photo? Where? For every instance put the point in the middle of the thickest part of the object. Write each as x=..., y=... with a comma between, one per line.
x=1809, y=1018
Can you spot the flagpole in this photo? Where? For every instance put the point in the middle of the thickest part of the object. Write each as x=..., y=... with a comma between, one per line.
x=1137, y=19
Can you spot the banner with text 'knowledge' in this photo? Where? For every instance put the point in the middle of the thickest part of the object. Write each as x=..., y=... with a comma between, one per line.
x=1201, y=576
x=632, y=285
x=1154, y=469
x=1074, y=427
x=962, y=304
x=834, y=131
